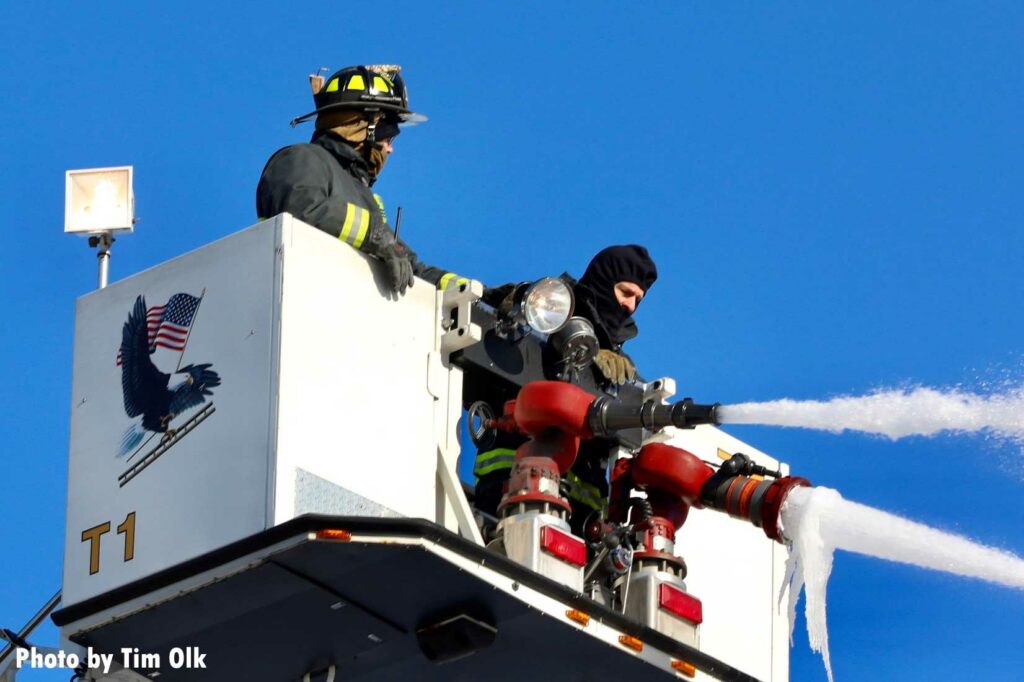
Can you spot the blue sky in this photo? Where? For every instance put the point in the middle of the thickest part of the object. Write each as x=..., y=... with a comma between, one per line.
x=831, y=192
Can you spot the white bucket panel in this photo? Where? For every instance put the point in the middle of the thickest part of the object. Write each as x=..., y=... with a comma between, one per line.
x=736, y=571
x=207, y=489
x=354, y=407
x=323, y=404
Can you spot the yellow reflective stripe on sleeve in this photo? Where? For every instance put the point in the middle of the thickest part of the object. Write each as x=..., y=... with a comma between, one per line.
x=493, y=460
x=364, y=226
x=447, y=278
x=380, y=204
x=582, y=492
x=357, y=224
x=350, y=214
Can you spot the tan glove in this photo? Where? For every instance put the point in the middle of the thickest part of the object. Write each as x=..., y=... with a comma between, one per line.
x=616, y=367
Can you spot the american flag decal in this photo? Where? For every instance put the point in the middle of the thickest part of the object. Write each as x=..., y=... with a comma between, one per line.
x=168, y=325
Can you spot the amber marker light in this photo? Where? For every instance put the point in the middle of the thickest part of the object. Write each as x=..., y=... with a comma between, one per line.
x=684, y=668
x=334, y=534
x=631, y=642
x=578, y=616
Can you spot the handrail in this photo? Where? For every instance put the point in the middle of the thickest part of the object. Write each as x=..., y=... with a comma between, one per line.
x=32, y=624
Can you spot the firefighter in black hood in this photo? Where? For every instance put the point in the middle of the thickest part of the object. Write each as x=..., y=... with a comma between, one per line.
x=327, y=182
x=607, y=294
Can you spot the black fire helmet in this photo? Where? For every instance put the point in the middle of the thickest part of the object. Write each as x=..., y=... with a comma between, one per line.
x=368, y=88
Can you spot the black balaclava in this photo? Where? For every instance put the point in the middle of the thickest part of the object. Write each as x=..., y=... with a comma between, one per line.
x=629, y=263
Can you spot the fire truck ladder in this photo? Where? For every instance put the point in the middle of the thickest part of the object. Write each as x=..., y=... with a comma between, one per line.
x=165, y=444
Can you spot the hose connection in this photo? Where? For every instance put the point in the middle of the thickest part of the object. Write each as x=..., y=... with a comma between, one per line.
x=607, y=416
x=747, y=491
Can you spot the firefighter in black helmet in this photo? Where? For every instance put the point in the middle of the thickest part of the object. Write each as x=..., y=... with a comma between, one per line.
x=327, y=182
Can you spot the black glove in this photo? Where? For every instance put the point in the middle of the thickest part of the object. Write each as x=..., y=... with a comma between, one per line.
x=495, y=296
x=398, y=259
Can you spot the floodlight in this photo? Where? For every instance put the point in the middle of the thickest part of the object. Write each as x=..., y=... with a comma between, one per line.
x=545, y=305
x=99, y=200
x=97, y=203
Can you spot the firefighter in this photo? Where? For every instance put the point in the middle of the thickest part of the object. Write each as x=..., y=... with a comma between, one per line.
x=607, y=294
x=327, y=182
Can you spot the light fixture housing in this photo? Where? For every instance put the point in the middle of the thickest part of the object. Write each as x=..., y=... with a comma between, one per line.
x=576, y=342
x=99, y=200
x=544, y=306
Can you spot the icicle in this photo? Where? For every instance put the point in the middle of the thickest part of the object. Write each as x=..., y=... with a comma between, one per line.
x=811, y=561
x=817, y=521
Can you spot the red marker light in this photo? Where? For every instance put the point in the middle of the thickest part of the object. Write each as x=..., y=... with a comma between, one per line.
x=686, y=606
x=562, y=545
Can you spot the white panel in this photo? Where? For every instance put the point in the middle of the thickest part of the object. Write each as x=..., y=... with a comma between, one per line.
x=209, y=488
x=354, y=408
x=736, y=571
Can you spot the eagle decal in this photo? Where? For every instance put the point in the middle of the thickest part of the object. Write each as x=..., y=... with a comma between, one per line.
x=153, y=398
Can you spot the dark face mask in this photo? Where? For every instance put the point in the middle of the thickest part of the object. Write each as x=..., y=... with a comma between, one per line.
x=387, y=129
x=375, y=163
x=615, y=264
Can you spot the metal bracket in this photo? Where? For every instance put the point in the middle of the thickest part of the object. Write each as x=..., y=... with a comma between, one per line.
x=458, y=331
x=327, y=674
x=456, y=496
x=455, y=332
x=659, y=390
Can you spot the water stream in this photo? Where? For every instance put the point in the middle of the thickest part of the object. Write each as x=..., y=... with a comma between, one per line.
x=819, y=521
x=894, y=413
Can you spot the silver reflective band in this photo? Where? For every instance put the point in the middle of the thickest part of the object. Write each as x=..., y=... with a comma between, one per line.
x=357, y=222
